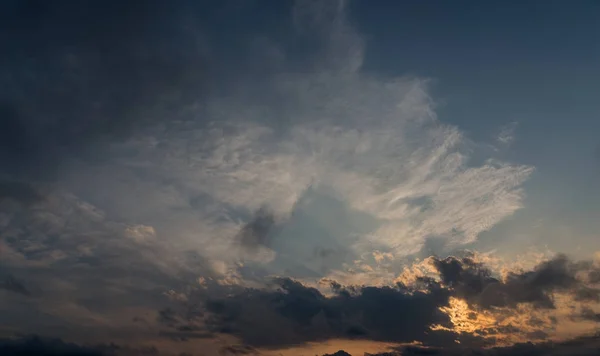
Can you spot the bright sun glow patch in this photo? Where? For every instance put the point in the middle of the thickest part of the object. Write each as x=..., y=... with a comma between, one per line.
x=464, y=319
x=506, y=326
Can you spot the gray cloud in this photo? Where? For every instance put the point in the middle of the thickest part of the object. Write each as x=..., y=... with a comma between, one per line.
x=184, y=324
x=36, y=346
x=293, y=313
x=589, y=314
x=139, y=113
x=43, y=346
x=238, y=350
x=11, y=284
x=582, y=346
x=474, y=282
x=257, y=232
x=19, y=191
x=75, y=75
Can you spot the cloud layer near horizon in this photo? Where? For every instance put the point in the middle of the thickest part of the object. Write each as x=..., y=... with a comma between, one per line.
x=458, y=308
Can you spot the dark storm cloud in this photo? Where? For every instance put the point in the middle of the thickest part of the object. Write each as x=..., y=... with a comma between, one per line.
x=473, y=281
x=71, y=244
x=40, y=346
x=585, y=293
x=583, y=346
x=589, y=314
x=294, y=314
x=238, y=350
x=36, y=346
x=184, y=335
x=19, y=191
x=184, y=324
x=594, y=276
x=77, y=73
x=11, y=284
x=257, y=232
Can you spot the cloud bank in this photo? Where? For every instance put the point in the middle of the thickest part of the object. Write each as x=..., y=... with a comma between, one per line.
x=459, y=301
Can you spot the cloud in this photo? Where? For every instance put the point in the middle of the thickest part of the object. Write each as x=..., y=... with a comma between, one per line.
x=87, y=273
x=75, y=100
x=255, y=233
x=192, y=165
x=11, y=284
x=295, y=314
x=40, y=346
x=19, y=191
x=374, y=145
x=238, y=350
x=582, y=346
x=45, y=347
x=148, y=157
x=473, y=281
x=589, y=314
x=461, y=300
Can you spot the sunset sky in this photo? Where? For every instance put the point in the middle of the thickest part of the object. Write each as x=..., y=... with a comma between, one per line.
x=273, y=177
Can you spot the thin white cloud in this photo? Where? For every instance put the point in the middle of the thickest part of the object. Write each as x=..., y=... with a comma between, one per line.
x=375, y=143
x=506, y=136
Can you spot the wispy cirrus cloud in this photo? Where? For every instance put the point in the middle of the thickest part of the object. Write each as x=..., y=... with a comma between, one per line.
x=375, y=146
x=507, y=133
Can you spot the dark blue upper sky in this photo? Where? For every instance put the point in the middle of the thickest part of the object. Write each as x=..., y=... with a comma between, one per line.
x=536, y=63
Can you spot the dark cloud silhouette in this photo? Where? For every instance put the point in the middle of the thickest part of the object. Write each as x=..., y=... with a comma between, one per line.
x=76, y=74
x=36, y=346
x=167, y=316
x=183, y=335
x=594, y=276
x=589, y=314
x=257, y=232
x=40, y=346
x=583, y=346
x=238, y=350
x=183, y=325
x=473, y=281
x=19, y=191
x=585, y=293
x=11, y=284
x=294, y=314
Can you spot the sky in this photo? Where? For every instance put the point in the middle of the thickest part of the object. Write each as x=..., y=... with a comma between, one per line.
x=270, y=177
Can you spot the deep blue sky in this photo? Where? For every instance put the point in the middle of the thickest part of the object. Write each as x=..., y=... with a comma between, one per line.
x=536, y=63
